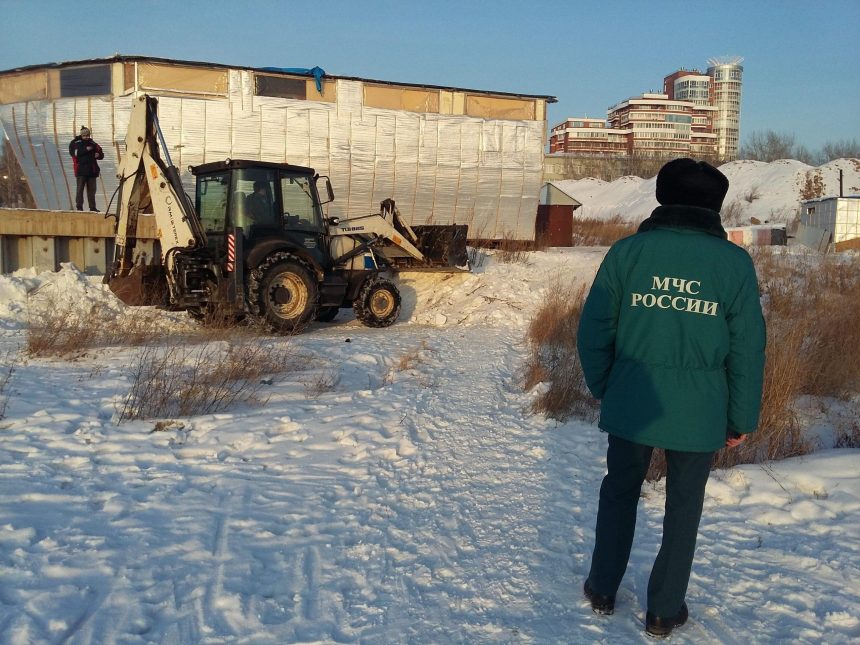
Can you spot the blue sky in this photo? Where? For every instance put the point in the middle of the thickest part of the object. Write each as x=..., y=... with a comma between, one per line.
x=800, y=70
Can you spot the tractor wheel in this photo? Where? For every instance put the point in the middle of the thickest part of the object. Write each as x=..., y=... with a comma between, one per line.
x=286, y=293
x=327, y=314
x=378, y=303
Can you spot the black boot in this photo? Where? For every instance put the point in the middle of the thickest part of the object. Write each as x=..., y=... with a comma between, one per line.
x=662, y=627
x=600, y=604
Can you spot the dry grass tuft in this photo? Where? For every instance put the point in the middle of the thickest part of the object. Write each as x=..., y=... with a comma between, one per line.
x=554, y=361
x=407, y=361
x=752, y=194
x=507, y=249
x=512, y=251
x=321, y=383
x=61, y=328
x=185, y=380
x=7, y=369
x=64, y=330
x=477, y=256
x=848, y=436
x=600, y=232
x=732, y=214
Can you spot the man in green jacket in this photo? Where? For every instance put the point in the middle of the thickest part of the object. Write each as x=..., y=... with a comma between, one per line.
x=672, y=342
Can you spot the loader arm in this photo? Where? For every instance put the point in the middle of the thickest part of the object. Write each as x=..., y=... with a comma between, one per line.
x=387, y=240
x=386, y=234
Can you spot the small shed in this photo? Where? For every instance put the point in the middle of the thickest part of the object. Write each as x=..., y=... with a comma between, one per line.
x=840, y=216
x=554, y=224
x=552, y=195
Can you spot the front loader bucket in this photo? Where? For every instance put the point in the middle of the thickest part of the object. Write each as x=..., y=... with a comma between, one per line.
x=443, y=245
x=143, y=286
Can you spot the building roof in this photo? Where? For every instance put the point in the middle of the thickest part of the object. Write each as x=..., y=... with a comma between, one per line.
x=827, y=199
x=564, y=192
x=121, y=58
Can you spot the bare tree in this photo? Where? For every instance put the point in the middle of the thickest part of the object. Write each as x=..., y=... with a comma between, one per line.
x=771, y=146
x=768, y=146
x=802, y=153
x=842, y=149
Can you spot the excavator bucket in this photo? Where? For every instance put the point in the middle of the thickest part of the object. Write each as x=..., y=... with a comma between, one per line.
x=443, y=246
x=144, y=285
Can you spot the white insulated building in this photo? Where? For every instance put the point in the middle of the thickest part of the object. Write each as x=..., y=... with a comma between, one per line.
x=446, y=155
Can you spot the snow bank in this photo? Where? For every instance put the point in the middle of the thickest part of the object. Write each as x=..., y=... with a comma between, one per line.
x=767, y=191
x=68, y=289
x=496, y=293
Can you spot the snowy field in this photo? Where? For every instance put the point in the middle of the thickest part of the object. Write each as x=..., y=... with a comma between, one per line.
x=416, y=501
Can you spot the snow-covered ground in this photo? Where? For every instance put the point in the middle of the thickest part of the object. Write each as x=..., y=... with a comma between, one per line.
x=416, y=501
x=767, y=191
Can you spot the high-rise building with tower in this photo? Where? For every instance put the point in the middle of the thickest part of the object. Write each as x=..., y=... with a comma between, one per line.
x=698, y=114
x=727, y=75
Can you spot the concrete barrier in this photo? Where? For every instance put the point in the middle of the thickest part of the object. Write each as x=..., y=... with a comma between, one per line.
x=43, y=239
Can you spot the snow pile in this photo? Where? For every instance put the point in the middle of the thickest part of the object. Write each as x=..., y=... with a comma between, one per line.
x=496, y=293
x=414, y=500
x=27, y=295
x=767, y=191
x=26, y=291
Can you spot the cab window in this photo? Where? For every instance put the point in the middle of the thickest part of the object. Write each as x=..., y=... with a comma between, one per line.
x=211, y=203
x=253, y=203
x=300, y=210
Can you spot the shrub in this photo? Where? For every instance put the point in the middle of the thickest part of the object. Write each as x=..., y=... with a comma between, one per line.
x=732, y=214
x=553, y=359
x=848, y=436
x=601, y=232
x=512, y=251
x=321, y=382
x=185, y=380
x=58, y=328
x=507, y=249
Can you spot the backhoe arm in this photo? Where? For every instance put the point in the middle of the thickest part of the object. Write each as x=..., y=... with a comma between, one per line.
x=146, y=181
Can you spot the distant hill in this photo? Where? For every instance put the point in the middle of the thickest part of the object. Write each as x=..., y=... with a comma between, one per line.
x=767, y=191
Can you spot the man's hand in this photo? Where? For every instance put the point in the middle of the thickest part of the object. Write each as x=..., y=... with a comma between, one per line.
x=735, y=441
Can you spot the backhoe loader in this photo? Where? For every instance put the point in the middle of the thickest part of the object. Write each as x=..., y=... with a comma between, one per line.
x=255, y=241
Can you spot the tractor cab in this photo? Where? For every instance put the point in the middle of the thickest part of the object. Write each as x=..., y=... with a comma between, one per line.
x=272, y=203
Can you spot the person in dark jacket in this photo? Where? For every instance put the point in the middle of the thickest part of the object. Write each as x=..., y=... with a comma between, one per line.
x=671, y=341
x=86, y=154
x=259, y=206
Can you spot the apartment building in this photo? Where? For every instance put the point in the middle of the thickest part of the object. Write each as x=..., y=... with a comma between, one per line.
x=694, y=87
x=592, y=136
x=657, y=125
x=696, y=115
x=727, y=74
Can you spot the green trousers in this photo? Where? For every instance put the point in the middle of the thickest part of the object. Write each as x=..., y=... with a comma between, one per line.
x=686, y=477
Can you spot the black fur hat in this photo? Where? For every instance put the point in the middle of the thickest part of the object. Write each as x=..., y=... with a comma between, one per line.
x=691, y=183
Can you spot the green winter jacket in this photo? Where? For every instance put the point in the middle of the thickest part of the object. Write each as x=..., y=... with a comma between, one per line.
x=672, y=336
